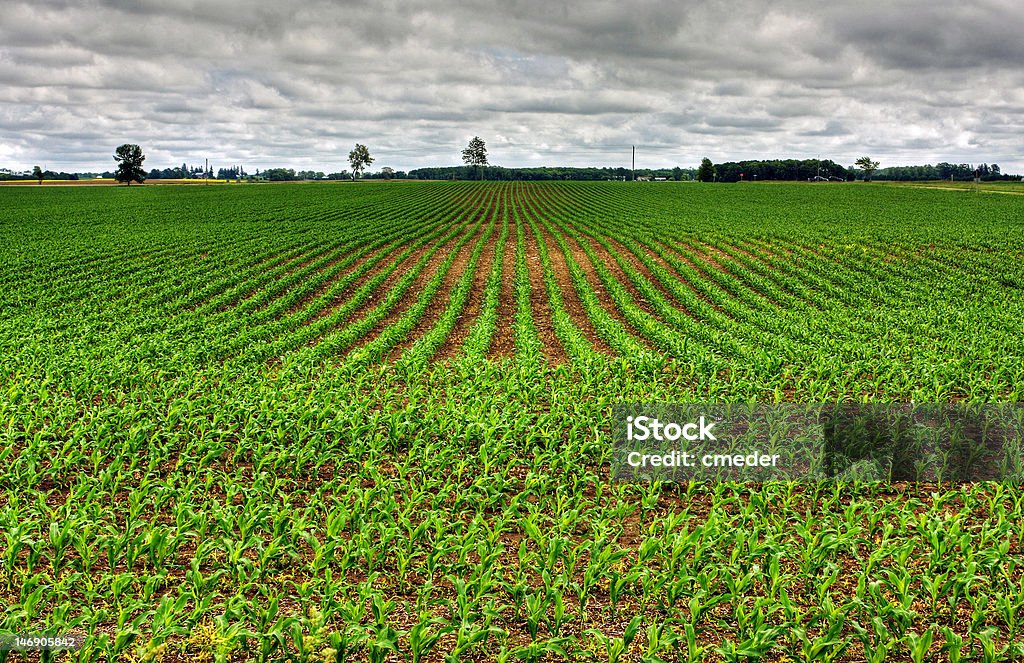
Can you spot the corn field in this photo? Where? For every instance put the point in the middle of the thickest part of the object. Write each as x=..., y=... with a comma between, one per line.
x=369, y=422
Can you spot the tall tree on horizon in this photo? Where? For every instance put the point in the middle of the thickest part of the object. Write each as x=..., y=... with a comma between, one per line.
x=359, y=158
x=868, y=166
x=706, y=172
x=476, y=154
x=129, y=158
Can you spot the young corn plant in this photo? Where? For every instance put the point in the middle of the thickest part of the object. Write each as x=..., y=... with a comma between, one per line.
x=616, y=647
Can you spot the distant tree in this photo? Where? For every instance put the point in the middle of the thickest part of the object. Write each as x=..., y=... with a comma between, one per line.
x=387, y=172
x=868, y=166
x=129, y=160
x=706, y=172
x=279, y=174
x=359, y=158
x=37, y=173
x=475, y=154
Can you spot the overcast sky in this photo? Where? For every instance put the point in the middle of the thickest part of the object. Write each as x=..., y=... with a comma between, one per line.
x=543, y=83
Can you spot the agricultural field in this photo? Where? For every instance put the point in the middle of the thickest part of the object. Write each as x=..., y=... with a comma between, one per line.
x=1014, y=187
x=370, y=421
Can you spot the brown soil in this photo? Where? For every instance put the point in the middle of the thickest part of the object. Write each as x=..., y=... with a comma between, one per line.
x=343, y=296
x=710, y=255
x=439, y=304
x=419, y=283
x=539, y=303
x=504, y=342
x=609, y=262
x=315, y=255
x=682, y=279
x=563, y=279
x=476, y=293
x=638, y=265
x=683, y=258
x=700, y=270
x=383, y=265
x=316, y=292
x=297, y=268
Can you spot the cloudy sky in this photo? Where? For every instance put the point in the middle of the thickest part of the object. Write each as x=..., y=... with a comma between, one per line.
x=544, y=83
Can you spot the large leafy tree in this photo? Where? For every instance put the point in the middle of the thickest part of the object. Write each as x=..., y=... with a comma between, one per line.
x=129, y=158
x=475, y=154
x=706, y=172
x=359, y=158
x=37, y=173
x=868, y=166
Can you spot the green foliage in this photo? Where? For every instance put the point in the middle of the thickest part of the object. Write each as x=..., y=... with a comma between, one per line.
x=706, y=172
x=475, y=154
x=129, y=158
x=866, y=165
x=763, y=170
x=359, y=158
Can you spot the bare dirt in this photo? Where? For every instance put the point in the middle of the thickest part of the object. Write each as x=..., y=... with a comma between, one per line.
x=382, y=265
x=321, y=289
x=540, y=305
x=563, y=278
x=439, y=304
x=419, y=283
x=474, y=303
x=504, y=342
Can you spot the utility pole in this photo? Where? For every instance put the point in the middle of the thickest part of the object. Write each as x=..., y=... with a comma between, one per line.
x=206, y=171
x=634, y=163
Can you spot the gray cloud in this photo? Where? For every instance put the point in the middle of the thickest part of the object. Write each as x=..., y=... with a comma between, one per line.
x=268, y=83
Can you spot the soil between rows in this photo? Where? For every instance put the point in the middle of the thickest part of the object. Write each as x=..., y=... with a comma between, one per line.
x=420, y=282
x=474, y=303
x=540, y=305
x=504, y=342
x=442, y=299
x=563, y=278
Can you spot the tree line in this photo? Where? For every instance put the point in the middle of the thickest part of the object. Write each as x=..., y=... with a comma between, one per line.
x=130, y=159
x=541, y=173
x=963, y=172
x=37, y=174
x=775, y=169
